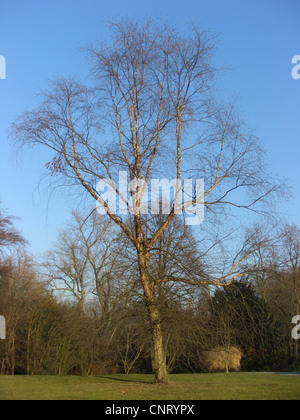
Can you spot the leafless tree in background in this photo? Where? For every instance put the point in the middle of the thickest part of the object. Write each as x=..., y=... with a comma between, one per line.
x=89, y=261
x=9, y=236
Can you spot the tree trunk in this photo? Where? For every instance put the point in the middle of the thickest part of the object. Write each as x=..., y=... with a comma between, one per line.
x=159, y=362
x=159, y=358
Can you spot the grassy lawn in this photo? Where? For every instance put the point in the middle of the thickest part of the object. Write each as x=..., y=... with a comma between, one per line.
x=140, y=387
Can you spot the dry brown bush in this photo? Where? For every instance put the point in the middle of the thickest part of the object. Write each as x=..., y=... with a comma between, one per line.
x=220, y=359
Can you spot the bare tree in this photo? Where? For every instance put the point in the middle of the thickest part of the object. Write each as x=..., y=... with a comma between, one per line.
x=151, y=114
x=8, y=233
x=88, y=261
x=18, y=285
x=275, y=272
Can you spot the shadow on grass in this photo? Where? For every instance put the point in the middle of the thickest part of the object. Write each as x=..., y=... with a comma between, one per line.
x=134, y=381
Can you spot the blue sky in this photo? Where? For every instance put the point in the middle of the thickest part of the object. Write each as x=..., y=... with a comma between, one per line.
x=41, y=40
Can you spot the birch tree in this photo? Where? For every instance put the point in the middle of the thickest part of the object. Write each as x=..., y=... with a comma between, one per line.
x=151, y=113
x=88, y=261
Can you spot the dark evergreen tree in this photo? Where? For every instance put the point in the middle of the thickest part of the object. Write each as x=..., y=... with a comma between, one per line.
x=248, y=324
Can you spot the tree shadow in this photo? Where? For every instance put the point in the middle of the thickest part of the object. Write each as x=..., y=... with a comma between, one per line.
x=136, y=381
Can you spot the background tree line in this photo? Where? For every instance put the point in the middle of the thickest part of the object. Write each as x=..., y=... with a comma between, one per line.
x=80, y=310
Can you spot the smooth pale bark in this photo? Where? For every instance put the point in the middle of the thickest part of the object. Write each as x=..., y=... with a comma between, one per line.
x=159, y=358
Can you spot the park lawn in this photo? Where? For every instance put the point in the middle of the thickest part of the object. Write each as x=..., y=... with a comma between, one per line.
x=243, y=386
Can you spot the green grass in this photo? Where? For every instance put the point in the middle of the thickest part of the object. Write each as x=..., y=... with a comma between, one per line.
x=234, y=386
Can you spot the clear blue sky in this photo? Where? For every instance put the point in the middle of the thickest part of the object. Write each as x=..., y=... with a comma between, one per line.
x=40, y=39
